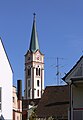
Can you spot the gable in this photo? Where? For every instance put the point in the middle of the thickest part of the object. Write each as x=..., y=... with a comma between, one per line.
x=3, y=54
x=76, y=71
x=6, y=79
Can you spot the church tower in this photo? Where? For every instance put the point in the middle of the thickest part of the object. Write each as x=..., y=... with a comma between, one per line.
x=34, y=67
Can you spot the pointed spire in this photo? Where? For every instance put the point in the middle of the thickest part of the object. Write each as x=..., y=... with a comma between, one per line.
x=34, y=38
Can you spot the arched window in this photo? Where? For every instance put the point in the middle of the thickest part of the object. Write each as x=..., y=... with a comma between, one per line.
x=28, y=83
x=28, y=93
x=37, y=83
x=38, y=93
x=29, y=71
x=36, y=71
x=39, y=71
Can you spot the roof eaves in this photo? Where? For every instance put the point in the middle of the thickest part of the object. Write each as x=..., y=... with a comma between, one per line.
x=72, y=68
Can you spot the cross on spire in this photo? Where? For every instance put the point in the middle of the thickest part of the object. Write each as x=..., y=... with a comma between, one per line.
x=34, y=45
x=34, y=15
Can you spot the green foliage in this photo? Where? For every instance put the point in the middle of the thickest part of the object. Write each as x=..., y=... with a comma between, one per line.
x=33, y=115
x=50, y=118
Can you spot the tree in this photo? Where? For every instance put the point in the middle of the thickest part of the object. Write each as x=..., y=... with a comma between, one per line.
x=33, y=115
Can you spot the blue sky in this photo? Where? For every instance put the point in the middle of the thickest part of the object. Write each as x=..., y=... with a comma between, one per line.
x=60, y=33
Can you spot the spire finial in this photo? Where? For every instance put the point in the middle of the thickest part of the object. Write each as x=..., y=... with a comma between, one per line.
x=34, y=15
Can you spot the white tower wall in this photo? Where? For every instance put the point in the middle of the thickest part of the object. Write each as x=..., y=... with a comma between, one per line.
x=36, y=86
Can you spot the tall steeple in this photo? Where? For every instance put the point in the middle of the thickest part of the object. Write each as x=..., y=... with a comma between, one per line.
x=34, y=67
x=34, y=45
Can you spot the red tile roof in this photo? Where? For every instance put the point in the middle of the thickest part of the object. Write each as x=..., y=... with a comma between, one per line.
x=54, y=102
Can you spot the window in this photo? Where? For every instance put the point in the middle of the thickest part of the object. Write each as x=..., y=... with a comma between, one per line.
x=0, y=97
x=17, y=118
x=38, y=71
x=29, y=71
x=28, y=93
x=28, y=83
x=13, y=99
x=38, y=83
x=28, y=57
x=38, y=93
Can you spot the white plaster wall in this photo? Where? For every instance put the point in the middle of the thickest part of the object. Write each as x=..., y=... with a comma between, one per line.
x=6, y=77
x=15, y=105
x=42, y=80
x=37, y=88
x=34, y=65
x=35, y=82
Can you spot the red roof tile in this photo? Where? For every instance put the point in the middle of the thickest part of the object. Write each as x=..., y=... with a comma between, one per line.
x=54, y=102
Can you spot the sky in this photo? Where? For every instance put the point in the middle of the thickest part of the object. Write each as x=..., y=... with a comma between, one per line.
x=60, y=34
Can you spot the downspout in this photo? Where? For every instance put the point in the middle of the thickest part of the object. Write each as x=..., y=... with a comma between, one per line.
x=71, y=100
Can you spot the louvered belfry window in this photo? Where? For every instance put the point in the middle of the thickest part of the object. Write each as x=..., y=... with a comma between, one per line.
x=38, y=71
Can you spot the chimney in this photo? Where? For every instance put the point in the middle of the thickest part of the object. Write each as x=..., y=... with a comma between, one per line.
x=19, y=89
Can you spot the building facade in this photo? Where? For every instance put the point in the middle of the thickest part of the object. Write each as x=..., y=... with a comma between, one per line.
x=17, y=101
x=6, y=78
x=75, y=80
x=34, y=68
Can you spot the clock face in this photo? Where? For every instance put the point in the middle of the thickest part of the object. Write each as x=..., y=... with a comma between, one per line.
x=38, y=56
x=29, y=57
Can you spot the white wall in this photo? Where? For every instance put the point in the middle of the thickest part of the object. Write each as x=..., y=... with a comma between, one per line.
x=39, y=63
x=34, y=63
x=41, y=81
x=6, y=77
